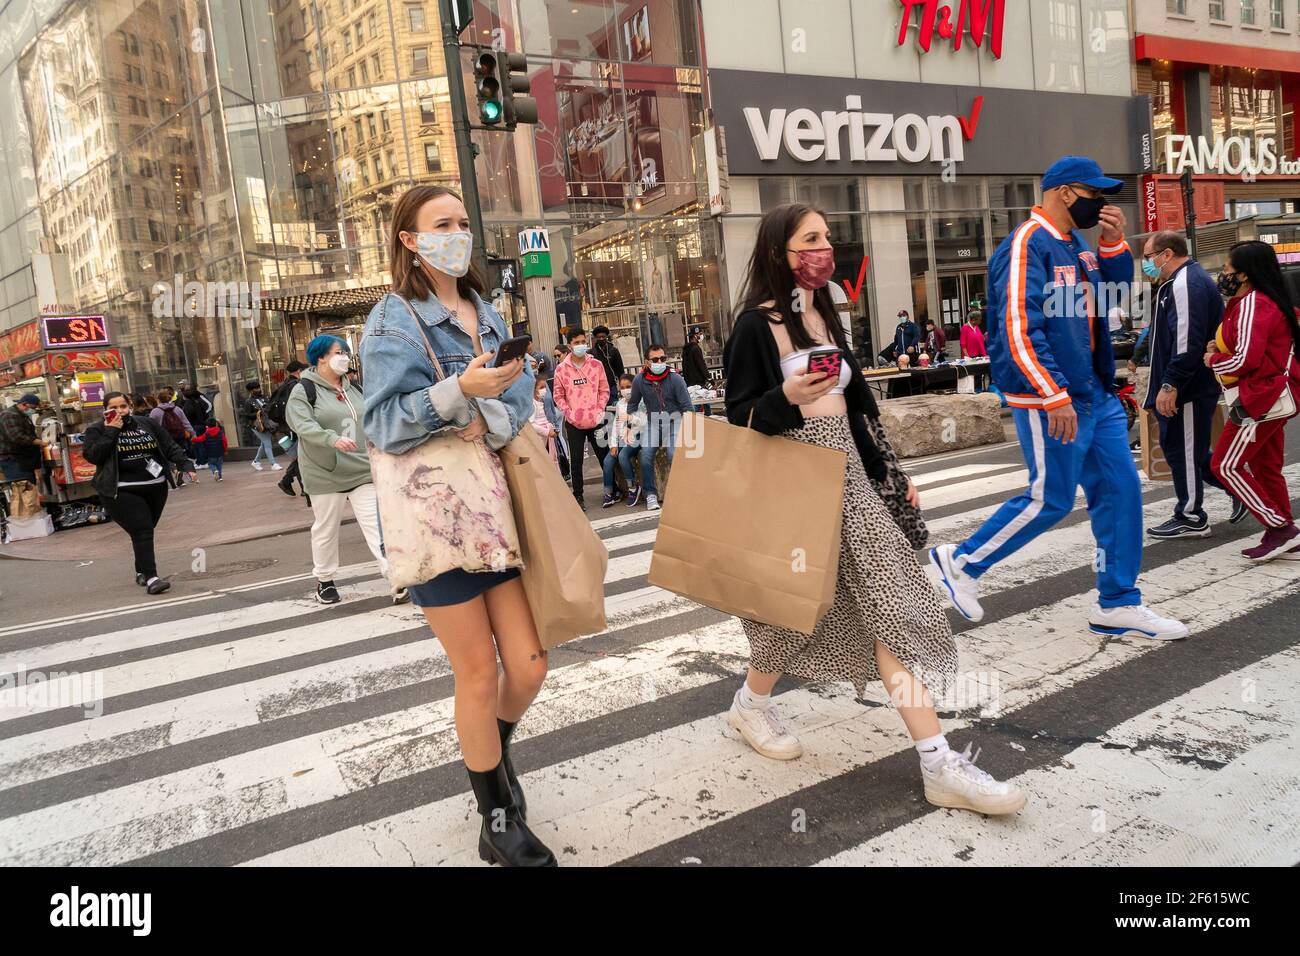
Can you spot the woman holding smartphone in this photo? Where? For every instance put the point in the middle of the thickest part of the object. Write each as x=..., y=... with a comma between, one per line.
x=886, y=621
x=134, y=457
x=477, y=617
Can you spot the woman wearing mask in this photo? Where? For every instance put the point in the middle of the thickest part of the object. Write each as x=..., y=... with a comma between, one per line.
x=886, y=621
x=477, y=617
x=325, y=414
x=134, y=458
x=1255, y=352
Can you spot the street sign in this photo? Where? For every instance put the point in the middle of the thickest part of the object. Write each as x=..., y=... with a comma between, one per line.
x=535, y=252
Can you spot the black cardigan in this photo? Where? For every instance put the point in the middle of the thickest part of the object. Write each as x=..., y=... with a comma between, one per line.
x=752, y=364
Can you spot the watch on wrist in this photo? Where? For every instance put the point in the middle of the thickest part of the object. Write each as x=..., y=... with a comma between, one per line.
x=1167, y=388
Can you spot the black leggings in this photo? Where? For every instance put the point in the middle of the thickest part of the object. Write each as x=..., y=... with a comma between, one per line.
x=577, y=438
x=137, y=509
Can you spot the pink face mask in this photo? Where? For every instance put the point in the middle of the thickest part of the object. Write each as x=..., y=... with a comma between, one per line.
x=815, y=268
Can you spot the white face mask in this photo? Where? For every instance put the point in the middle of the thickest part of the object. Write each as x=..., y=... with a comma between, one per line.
x=340, y=362
x=446, y=252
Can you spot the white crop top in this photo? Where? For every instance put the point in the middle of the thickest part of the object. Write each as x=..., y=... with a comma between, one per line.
x=796, y=363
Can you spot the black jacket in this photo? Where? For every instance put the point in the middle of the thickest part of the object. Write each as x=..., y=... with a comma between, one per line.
x=612, y=359
x=694, y=369
x=754, y=384
x=1188, y=311
x=100, y=449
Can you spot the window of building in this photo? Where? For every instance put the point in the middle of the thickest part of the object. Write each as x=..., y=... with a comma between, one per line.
x=415, y=17
x=1176, y=6
x=352, y=77
x=377, y=66
x=370, y=125
x=291, y=72
x=1247, y=13
x=372, y=21
x=384, y=119
x=1277, y=14
x=379, y=168
x=356, y=125
x=365, y=73
x=427, y=114
x=432, y=157
x=1216, y=10
x=347, y=43
x=419, y=60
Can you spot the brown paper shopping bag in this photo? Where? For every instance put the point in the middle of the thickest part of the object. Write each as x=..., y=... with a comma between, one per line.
x=753, y=524
x=564, y=559
x=25, y=501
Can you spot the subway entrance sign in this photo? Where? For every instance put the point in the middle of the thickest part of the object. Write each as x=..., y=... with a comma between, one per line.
x=535, y=252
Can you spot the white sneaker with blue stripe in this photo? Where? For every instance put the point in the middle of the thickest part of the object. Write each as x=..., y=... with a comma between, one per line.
x=1137, y=620
x=958, y=586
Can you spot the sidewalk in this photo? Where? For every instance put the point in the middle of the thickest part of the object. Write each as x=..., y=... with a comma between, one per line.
x=244, y=506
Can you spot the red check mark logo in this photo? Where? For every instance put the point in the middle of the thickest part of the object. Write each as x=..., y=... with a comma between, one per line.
x=854, y=291
x=969, y=126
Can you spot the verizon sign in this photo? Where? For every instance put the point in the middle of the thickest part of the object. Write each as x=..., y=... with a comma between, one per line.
x=861, y=137
x=787, y=124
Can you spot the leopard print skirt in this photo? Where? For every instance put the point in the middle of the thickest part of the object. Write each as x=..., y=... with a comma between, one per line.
x=881, y=594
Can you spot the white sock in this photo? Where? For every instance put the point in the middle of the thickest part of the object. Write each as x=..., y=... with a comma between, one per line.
x=151, y=580
x=751, y=701
x=932, y=751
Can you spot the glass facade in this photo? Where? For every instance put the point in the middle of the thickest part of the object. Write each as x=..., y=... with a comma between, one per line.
x=257, y=147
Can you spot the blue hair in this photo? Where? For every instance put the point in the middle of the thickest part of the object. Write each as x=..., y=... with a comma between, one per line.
x=321, y=344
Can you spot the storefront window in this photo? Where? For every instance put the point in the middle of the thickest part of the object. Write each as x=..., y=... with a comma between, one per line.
x=831, y=193
x=773, y=190
x=960, y=194
x=568, y=28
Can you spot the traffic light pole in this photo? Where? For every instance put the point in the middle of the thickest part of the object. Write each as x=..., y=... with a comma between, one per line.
x=465, y=148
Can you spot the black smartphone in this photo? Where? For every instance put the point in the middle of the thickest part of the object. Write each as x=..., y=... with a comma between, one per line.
x=826, y=361
x=512, y=349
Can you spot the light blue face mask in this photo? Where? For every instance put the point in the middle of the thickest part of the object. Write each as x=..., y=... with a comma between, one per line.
x=580, y=350
x=1150, y=269
x=658, y=368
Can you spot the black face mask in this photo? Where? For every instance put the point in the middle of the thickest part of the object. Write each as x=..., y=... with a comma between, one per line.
x=1086, y=212
x=1229, y=284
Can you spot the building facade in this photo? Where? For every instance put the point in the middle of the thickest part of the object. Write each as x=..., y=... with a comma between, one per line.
x=215, y=177
x=925, y=149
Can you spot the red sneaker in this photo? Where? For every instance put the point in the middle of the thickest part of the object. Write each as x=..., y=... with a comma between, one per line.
x=1275, y=541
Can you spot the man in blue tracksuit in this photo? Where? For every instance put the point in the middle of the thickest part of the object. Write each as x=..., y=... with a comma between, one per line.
x=1051, y=357
x=1184, y=393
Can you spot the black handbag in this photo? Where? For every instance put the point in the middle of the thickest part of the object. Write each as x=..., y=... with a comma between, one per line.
x=893, y=489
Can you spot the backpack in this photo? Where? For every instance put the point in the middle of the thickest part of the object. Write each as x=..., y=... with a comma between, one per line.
x=173, y=426
x=308, y=388
x=275, y=408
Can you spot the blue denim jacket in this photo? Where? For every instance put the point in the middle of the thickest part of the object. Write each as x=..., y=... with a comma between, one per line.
x=405, y=402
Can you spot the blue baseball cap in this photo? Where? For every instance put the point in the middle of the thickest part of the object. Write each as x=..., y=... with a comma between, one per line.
x=1079, y=169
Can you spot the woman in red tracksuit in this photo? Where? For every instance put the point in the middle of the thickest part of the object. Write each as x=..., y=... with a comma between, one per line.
x=1260, y=339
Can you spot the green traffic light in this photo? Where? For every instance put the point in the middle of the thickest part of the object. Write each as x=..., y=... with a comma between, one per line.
x=490, y=110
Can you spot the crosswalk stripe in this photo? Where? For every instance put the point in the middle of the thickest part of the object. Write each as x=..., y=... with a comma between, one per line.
x=926, y=479
x=1194, y=780
x=46, y=657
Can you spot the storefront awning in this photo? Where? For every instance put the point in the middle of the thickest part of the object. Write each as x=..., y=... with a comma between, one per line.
x=341, y=302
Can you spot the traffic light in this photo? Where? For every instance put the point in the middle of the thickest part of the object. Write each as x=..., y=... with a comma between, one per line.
x=488, y=86
x=519, y=108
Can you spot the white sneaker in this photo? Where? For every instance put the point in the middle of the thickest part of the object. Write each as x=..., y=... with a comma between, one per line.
x=651, y=502
x=257, y=465
x=763, y=730
x=1135, y=619
x=962, y=589
x=401, y=596
x=276, y=467
x=961, y=785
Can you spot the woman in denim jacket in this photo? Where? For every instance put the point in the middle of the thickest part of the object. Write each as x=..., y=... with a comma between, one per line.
x=474, y=615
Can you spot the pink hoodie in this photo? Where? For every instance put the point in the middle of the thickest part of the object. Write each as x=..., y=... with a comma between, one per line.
x=581, y=391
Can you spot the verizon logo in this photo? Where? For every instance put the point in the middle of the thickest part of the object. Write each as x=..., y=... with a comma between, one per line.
x=863, y=137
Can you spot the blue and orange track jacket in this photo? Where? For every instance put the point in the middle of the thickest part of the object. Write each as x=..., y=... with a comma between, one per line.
x=1044, y=340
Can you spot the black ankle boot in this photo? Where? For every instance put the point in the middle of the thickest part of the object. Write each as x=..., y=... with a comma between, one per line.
x=516, y=790
x=504, y=837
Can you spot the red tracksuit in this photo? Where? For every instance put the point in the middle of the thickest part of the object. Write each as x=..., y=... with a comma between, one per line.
x=1261, y=349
